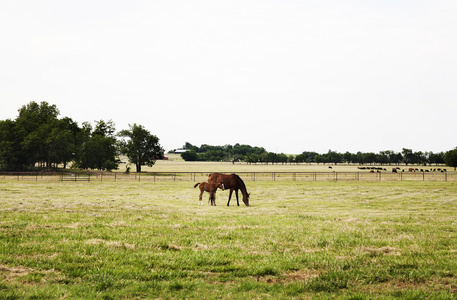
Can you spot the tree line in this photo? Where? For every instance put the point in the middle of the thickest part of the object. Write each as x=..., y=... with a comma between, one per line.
x=39, y=139
x=254, y=155
x=219, y=153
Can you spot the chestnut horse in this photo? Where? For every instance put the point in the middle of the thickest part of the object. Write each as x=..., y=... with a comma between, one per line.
x=232, y=182
x=211, y=188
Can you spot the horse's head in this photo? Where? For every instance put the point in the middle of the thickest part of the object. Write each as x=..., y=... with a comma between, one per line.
x=246, y=199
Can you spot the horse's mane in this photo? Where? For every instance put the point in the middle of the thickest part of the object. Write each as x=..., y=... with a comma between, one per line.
x=242, y=182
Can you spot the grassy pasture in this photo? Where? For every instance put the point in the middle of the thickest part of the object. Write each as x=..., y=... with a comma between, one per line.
x=352, y=240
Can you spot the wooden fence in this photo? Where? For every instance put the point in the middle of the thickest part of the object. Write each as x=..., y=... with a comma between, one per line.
x=246, y=176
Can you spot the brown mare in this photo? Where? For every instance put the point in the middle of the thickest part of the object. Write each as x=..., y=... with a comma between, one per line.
x=232, y=182
x=211, y=188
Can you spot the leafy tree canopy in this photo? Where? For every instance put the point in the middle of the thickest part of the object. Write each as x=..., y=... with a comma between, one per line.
x=99, y=149
x=450, y=157
x=140, y=146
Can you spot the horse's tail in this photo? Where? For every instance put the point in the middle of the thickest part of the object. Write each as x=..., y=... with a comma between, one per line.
x=196, y=185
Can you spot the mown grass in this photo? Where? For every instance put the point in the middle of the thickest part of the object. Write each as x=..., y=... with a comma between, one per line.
x=297, y=240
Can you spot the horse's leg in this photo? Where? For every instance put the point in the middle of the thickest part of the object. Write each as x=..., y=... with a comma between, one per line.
x=200, y=198
x=211, y=198
x=214, y=199
x=230, y=196
x=237, y=201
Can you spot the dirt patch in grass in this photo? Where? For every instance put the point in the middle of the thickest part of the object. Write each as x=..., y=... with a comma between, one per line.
x=26, y=275
x=380, y=251
x=301, y=275
x=78, y=225
x=290, y=276
x=10, y=273
x=438, y=284
x=234, y=227
x=111, y=244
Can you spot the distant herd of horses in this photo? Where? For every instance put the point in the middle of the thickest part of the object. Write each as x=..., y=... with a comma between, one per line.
x=397, y=169
x=221, y=181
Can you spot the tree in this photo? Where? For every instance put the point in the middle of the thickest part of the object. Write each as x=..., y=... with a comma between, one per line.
x=60, y=143
x=333, y=157
x=282, y=158
x=300, y=158
x=190, y=155
x=272, y=157
x=99, y=149
x=37, y=136
x=10, y=149
x=360, y=158
x=408, y=156
x=349, y=157
x=42, y=137
x=309, y=156
x=36, y=125
x=419, y=158
x=188, y=146
x=142, y=147
x=450, y=157
x=291, y=158
x=435, y=158
x=396, y=158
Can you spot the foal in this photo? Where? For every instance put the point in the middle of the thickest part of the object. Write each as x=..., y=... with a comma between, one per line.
x=211, y=188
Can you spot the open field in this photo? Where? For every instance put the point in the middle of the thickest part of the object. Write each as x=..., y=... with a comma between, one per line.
x=297, y=240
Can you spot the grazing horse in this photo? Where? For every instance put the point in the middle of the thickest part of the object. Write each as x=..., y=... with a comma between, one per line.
x=211, y=188
x=232, y=182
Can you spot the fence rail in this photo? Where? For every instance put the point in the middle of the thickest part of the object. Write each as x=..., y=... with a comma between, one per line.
x=247, y=176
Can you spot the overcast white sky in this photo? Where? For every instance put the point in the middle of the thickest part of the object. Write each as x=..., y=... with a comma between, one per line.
x=287, y=75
